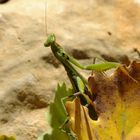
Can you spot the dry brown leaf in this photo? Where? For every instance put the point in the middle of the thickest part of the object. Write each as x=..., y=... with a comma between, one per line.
x=118, y=104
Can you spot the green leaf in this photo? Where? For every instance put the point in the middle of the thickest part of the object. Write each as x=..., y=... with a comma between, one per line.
x=57, y=116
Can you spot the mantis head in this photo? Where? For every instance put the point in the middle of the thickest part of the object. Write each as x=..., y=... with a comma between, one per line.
x=50, y=40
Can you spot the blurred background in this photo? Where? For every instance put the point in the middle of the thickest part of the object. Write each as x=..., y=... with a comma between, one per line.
x=29, y=73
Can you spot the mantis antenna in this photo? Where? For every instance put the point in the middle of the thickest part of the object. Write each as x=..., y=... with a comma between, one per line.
x=45, y=18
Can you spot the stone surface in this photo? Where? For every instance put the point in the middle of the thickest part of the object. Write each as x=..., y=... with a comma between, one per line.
x=29, y=73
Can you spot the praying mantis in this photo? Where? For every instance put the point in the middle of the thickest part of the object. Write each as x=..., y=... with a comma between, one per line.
x=79, y=83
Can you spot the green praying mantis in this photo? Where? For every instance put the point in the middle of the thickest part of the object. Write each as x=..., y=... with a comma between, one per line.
x=79, y=83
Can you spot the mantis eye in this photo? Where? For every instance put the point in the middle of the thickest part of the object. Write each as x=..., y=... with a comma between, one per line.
x=51, y=39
